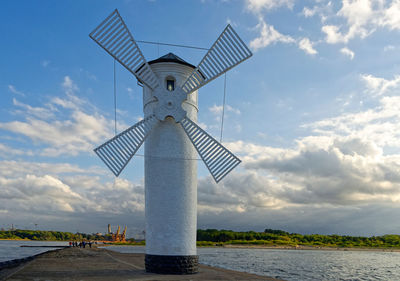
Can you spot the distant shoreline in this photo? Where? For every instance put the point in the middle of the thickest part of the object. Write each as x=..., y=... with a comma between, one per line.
x=280, y=247
x=26, y=239
x=305, y=248
x=247, y=246
x=22, y=239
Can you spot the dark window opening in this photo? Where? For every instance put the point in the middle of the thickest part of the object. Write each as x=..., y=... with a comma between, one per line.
x=170, y=85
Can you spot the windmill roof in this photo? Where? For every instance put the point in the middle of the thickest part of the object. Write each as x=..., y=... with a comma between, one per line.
x=170, y=57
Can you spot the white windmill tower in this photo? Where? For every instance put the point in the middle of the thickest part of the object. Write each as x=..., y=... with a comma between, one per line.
x=172, y=138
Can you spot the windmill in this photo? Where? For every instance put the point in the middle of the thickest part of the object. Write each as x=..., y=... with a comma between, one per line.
x=172, y=137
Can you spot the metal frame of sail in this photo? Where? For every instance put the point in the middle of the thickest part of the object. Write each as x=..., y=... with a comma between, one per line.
x=117, y=152
x=114, y=37
x=219, y=160
x=226, y=52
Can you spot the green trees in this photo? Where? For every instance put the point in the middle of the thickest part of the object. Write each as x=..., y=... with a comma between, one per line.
x=45, y=235
x=210, y=237
x=280, y=237
x=275, y=231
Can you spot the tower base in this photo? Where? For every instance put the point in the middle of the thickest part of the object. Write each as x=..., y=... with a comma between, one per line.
x=172, y=264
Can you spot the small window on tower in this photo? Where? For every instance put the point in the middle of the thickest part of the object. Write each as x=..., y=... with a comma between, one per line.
x=170, y=85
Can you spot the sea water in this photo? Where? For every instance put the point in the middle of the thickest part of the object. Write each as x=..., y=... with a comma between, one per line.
x=11, y=249
x=300, y=264
x=284, y=264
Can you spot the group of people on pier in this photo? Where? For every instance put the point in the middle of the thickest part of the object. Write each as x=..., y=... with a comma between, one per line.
x=81, y=244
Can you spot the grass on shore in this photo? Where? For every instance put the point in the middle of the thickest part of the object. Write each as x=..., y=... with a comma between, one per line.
x=266, y=243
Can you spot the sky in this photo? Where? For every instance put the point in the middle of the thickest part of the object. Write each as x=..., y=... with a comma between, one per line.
x=313, y=114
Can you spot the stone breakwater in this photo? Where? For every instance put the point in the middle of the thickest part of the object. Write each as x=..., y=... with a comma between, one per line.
x=17, y=262
x=102, y=264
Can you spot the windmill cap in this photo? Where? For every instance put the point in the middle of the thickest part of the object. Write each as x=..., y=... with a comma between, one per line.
x=170, y=57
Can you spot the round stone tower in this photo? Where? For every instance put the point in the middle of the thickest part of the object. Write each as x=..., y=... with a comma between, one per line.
x=170, y=178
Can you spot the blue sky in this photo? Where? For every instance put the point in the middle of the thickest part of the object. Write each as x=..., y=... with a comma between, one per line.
x=313, y=114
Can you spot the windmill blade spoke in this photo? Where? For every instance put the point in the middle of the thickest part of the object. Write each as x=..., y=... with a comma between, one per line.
x=219, y=160
x=114, y=37
x=117, y=152
x=228, y=51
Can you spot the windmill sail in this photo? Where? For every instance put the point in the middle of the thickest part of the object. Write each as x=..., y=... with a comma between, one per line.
x=117, y=152
x=227, y=52
x=219, y=160
x=114, y=37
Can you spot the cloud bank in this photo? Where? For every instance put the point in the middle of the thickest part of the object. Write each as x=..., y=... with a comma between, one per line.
x=343, y=174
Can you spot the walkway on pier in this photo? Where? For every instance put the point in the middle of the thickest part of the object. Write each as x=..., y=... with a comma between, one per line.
x=102, y=264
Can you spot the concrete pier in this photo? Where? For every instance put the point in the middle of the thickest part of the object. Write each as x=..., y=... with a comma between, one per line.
x=102, y=264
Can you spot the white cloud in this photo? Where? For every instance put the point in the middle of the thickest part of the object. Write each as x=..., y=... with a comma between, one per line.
x=342, y=164
x=239, y=192
x=69, y=86
x=389, y=48
x=6, y=151
x=68, y=137
x=329, y=170
x=346, y=51
x=358, y=15
x=49, y=193
x=217, y=109
x=332, y=34
x=357, y=12
x=378, y=85
x=306, y=45
x=38, y=112
x=15, y=91
x=379, y=125
x=268, y=35
x=362, y=17
x=340, y=167
x=391, y=16
x=321, y=9
x=13, y=168
x=257, y=6
x=307, y=12
x=80, y=132
x=202, y=125
x=61, y=191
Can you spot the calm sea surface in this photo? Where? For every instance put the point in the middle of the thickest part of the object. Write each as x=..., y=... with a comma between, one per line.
x=300, y=264
x=10, y=250
x=284, y=264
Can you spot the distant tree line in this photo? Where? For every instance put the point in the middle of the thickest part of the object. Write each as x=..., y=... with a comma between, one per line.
x=278, y=237
x=210, y=237
x=49, y=235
